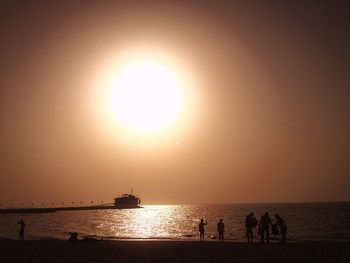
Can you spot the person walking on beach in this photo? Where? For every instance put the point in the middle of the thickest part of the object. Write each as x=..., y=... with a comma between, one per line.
x=250, y=223
x=264, y=227
x=201, y=229
x=221, y=229
x=282, y=227
x=21, y=230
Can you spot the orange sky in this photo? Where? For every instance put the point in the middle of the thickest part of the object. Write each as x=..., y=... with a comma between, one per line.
x=271, y=121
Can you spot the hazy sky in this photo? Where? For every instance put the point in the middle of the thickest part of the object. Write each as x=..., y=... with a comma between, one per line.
x=269, y=121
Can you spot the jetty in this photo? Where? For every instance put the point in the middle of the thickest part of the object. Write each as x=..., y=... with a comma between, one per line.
x=125, y=201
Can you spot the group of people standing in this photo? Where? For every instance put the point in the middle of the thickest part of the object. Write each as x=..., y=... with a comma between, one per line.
x=264, y=224
x=279, y=227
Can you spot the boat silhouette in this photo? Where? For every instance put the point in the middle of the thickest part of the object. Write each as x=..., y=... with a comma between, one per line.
x=127, y=201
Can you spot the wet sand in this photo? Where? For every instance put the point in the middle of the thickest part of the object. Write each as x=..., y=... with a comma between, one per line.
x=170, y=251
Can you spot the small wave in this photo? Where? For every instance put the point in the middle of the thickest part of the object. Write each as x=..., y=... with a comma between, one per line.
x=188, y=235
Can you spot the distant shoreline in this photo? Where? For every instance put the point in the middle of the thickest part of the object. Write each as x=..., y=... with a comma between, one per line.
x=3, y=207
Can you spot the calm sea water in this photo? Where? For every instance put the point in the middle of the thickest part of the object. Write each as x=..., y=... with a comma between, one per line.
x=309, y=221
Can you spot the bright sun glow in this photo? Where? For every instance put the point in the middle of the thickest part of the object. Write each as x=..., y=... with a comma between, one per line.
x=145, y=96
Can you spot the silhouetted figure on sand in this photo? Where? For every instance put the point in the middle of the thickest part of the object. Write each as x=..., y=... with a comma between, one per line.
x=21, y=230
x=221, y=229
x=73, y=237
x=264, y=227
x=282, y=227
x=250, y=223
x=201, y=229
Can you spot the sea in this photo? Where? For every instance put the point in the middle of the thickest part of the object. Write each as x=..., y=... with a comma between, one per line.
x=305, y=222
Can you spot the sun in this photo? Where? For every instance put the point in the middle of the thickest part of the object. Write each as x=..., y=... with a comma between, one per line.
x=145, y=96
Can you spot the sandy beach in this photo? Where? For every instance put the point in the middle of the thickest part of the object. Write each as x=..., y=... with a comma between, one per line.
x=170, y=251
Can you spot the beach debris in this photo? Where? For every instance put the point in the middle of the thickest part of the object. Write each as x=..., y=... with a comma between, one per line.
x=74, y=238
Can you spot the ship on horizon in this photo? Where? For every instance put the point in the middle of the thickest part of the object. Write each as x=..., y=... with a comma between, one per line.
x=124, y=201
x=127, y=201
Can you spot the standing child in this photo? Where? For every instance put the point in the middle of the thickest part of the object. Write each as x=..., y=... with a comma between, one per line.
x=201, y=229
x=221, y=229
x=21, y=230
x=283, y=227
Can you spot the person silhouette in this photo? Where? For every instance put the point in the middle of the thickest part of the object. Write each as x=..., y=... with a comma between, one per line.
x=250, y=223
x=282, y=227
x=21, y=230
x=221, y=229
x=201, y=229
x=264, y=227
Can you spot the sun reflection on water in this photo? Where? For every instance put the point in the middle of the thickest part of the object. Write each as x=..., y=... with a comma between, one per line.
x=149, y=222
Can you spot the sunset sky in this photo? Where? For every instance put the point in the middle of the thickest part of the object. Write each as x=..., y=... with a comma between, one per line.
x=257, y=110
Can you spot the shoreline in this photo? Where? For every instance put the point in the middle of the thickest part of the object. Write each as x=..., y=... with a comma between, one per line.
x=273, y=242
x=157, y=239
x=53, y=250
